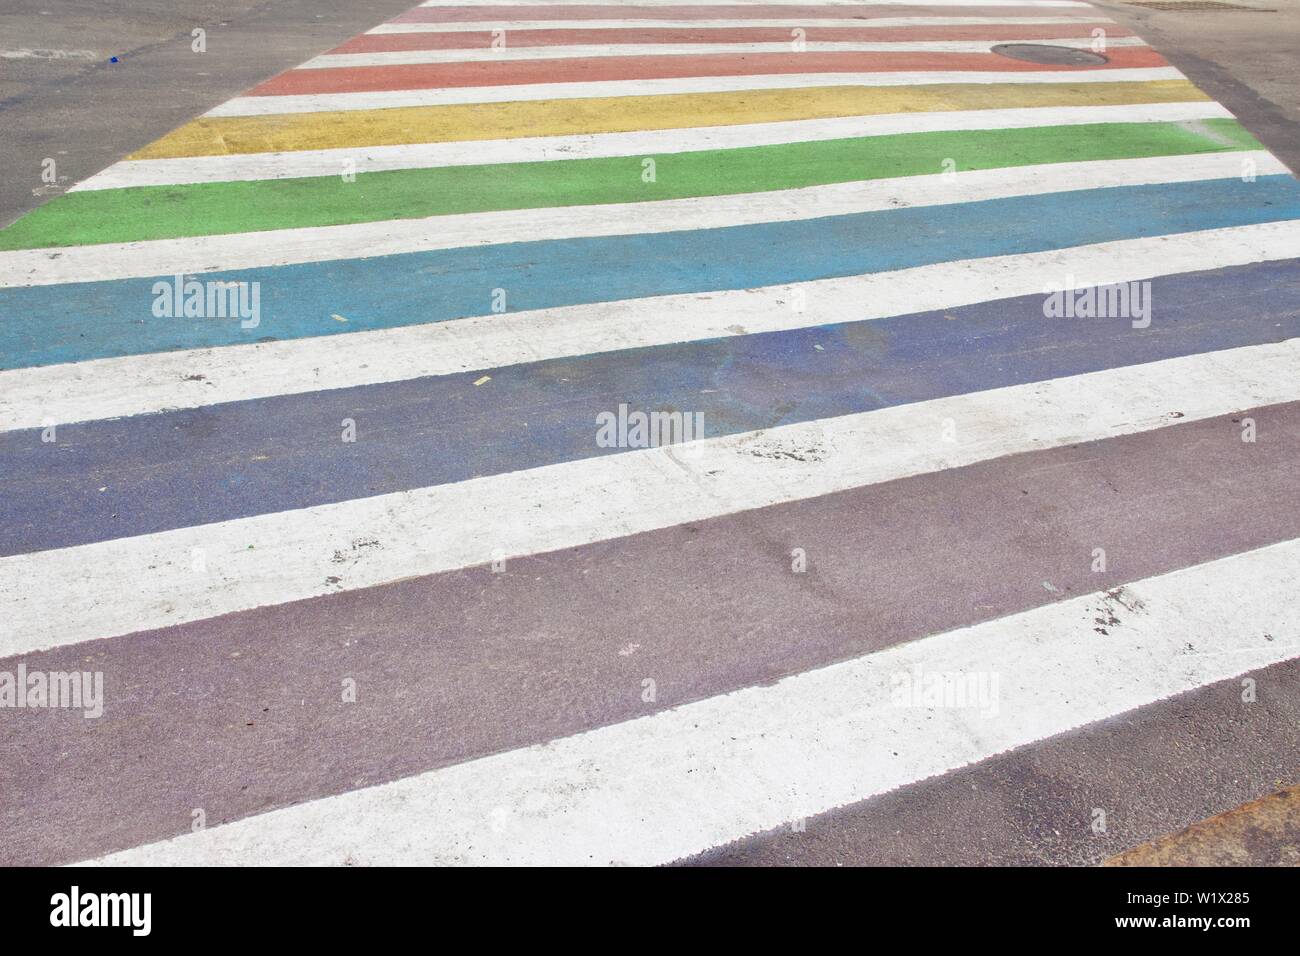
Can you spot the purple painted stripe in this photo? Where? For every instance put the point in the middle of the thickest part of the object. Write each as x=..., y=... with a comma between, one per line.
x=243, y=713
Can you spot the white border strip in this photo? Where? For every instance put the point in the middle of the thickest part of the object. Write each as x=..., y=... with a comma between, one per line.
x=808, y=23
x=69, y=595
x=817, y=3
x=683, y=781
x=519, y=53
x=392, y=99
x=297, y=164
x=138, y=384
x=249, y=250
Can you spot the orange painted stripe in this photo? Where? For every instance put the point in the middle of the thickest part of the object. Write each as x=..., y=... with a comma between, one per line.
x=601, y=69
x=482, y=40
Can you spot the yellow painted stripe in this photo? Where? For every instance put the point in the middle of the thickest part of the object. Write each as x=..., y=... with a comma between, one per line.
x=213, y=136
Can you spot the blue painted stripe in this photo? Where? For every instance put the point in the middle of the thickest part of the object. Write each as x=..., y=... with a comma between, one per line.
x=69, y=323
x=196, y=466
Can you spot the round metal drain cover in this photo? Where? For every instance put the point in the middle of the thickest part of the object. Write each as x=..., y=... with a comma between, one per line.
x=1051, y=55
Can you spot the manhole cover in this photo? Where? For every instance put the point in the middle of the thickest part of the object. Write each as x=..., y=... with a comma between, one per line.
x=1052, y=55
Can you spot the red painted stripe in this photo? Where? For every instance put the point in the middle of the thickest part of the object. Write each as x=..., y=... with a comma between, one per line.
x=602, y=69
x=480, y=40
x=504, y=15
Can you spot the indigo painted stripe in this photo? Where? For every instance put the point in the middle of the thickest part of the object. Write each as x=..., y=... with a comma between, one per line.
x=161, y=381
x=204, y=209
x=177, y=469
x=68, y=595
x=45, y=325
x=417, y=642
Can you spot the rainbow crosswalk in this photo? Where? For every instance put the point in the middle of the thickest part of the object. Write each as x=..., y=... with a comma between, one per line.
x=366, y=586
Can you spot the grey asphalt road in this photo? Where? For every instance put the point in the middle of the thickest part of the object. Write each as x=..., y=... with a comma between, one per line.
x=1244, y=56
x=62, y=98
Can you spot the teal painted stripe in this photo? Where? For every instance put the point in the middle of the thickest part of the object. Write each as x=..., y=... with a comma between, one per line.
x=189, y=467
x=73, y=322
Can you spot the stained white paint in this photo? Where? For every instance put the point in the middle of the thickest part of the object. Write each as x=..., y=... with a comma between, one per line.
x=389, y=99
x=820, y=3
x=249, y=250
x=113, y=387
x=520, y=53
x=65, y=596
x=682, y=781
x=819, y=23
x=369, y=159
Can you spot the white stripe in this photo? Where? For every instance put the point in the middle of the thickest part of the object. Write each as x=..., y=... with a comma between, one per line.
x=65, y=596
x=512, y=53
x=809, y=23
x=682, y=781
x=819, y=3
x=113, y=387
x=297, y=164
x=389, y=99
x=247, y=250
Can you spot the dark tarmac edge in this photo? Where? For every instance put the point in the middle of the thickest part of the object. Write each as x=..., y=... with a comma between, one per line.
x=91, y=118
x=1218, y=50
x=1264, y=832
x=1148, y=771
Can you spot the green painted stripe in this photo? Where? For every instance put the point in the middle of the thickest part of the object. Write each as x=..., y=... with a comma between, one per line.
x=162, y=212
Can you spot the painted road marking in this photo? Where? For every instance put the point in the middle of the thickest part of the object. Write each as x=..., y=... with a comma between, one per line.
x=606, y=69
x=881, y=23
x=449, y=435
x=393, y=237
x=109, y=388
x=401, y=57
x=337, y=102
x=61, y=323
x=367, y=159
x=789, y=271
x=149, y=581
x=439, y=7
x=651, y=790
